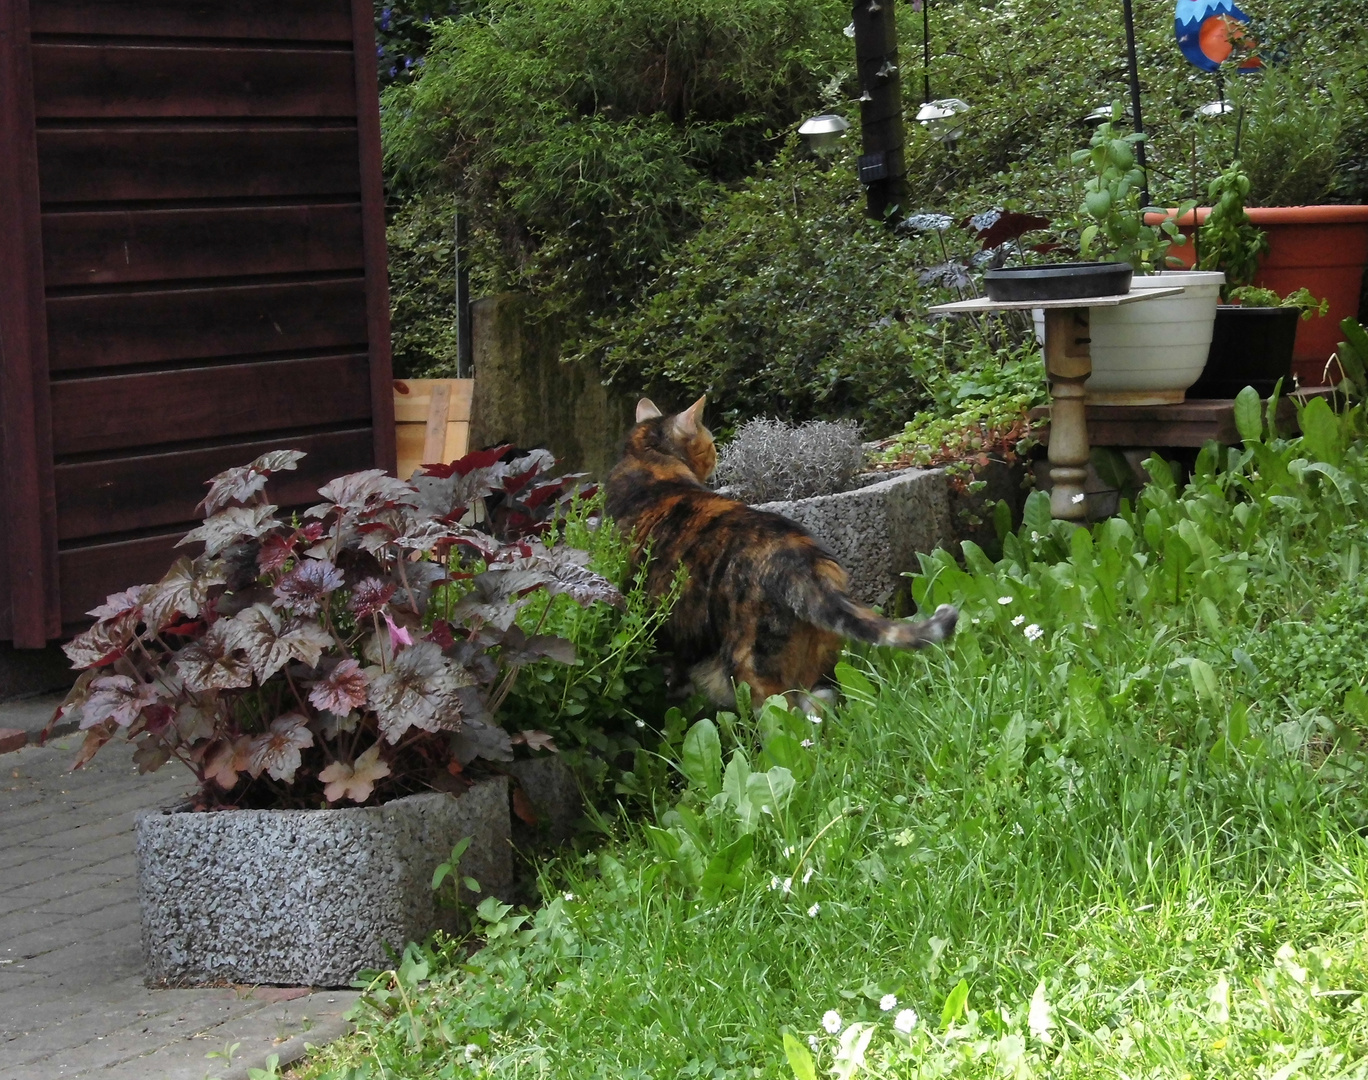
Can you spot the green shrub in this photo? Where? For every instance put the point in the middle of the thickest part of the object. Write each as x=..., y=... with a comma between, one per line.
x=422, y=287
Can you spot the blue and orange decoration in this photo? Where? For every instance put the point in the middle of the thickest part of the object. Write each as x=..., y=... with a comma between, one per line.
x=1210, y=31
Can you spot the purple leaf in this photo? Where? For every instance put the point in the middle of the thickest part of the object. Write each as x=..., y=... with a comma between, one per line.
x=103, y=642
x=241, y=483
x=184, y=590
x=118, y=698
x=212, y=662
x=363, y=492
x=419, y=691
x=270, y=643
x=128, y=602
x=480, y=740
x=305, y=588
x=229, y=526
x=370, y=596
x=277, y=751
x=341, y=689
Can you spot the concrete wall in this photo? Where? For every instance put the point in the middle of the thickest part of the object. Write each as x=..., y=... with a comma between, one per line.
x=525, y=395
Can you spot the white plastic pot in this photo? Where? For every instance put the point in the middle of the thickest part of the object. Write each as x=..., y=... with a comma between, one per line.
x=1149, y=353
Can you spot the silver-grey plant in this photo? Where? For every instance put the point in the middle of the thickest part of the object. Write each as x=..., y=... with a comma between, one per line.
x=769, y=460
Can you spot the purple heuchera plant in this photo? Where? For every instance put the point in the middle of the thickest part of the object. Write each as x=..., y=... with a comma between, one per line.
x=356, y=652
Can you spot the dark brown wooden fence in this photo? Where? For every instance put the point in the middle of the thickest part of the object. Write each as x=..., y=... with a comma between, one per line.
x=192, y=271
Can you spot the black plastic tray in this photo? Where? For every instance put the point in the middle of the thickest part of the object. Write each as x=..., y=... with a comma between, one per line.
x=1059, y=281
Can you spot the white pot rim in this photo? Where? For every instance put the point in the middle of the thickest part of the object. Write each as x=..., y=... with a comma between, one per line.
x=1162, y=279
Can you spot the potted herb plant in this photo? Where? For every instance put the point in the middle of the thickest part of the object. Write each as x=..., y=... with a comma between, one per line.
x=330, y=679
x=1149, y=353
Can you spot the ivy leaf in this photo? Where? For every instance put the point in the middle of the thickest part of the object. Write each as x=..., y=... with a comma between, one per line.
x=307, y=586
x=230, y=526
x=270, y=643
x=370, y=596
x=341, y=690
x=118, y=698
x=418, y=691
x=277, y=751
x=241, y=483
x=227, y=760
x=183, y=590
x=211, y=662
x=355, y=781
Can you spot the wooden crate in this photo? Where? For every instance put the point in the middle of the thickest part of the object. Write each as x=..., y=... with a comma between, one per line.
x=431, y=421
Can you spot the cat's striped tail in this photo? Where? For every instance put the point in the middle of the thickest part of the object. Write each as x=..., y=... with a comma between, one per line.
x=832, y=609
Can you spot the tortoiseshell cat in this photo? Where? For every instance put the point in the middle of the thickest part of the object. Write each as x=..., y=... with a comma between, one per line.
x=764, y=604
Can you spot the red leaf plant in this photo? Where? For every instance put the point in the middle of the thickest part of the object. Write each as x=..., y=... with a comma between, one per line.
x=300, y=663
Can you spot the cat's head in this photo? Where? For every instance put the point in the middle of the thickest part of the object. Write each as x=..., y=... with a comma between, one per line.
x=681, y=436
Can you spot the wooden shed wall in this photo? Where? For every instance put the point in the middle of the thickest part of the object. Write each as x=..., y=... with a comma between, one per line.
x=204, y=218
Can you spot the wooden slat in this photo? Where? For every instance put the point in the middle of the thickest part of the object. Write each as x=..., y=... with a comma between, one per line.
x=122, y=246
x=184, y=324
x=143, y=163
x=150, y=491
x=27, y=510
x=121, y=412
x=125, y=81
x=415, y=438
x=89, y=574
x=373, y=229
x=297, y=20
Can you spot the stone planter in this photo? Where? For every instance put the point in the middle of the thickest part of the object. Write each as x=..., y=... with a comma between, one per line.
x=307, y=897
x=876, y=531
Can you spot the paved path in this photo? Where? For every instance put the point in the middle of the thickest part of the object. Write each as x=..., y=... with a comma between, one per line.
x=72, y=1002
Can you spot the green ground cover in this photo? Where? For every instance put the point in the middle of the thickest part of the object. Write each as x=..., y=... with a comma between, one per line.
x=1114, y=829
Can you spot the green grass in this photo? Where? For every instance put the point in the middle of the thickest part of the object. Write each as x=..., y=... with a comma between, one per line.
x=1134, y=838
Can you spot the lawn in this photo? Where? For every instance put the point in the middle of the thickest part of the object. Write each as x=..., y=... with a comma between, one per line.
x=1113, y=829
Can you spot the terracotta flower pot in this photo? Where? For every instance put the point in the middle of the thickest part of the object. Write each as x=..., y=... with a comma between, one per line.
x=1325, y=249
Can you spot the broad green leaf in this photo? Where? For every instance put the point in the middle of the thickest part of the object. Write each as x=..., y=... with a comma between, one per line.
x=850, y=1058
x=1204, y=681
x=1321, y=433
x=1035, y=515
x=701, y=757
x=734, y=782
x=1249, y=414
x=799, y=1059
x=724, y=870
x=853, y=683
x=954, y=1004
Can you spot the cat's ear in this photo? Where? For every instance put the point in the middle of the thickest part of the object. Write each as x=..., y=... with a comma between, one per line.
x=647, y=410
x=688, y=423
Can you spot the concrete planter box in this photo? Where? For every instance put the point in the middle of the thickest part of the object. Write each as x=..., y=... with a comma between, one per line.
x=307, y=897
x=875, y=531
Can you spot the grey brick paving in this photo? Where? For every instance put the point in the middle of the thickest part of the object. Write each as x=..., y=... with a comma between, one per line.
x=72, y=1000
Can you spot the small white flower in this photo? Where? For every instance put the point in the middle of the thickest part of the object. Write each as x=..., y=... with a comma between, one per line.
x=812, y=911
x=974, y=621
x=472, y=1051
x=1019, y=620
x=808, y=876
x=1077, y=498
x=1033, y=632
x=1035, y=537
x=787, y=885
x=812, y=1042
x=814, y=718
x=905, y=1021
x=831, y=1020
x=1004, y=600
x=888, y=1002
x=788, y=851
x=805, y=743
x=641, y=723
x=569, y=897
x=774, y=882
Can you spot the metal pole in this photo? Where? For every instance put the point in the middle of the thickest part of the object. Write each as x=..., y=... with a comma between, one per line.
x=1135, y=99
x=926, y=51
x=883, y=166
x=464, y=351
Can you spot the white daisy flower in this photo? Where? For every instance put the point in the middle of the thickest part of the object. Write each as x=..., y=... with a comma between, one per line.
x=812, y=911
x=1077, y=498
x=831, y=1020
x=1019, y=620
x=812, y=1042
x=808, y=876
x=905, y=1021
x=1004, y=600
x=888, y=1003
x=787, y=885
x=1033, y=632
x=774, y=882
x=805, y=743
x=569, y=897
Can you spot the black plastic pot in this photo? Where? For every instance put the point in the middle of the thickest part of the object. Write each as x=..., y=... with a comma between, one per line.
x=1250, y=346
x=1061, y=281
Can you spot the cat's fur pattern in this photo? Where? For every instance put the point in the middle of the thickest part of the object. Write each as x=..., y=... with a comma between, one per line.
x=764, y=604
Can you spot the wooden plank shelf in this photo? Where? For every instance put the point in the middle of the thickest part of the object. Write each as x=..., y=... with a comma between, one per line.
x=1186, y=424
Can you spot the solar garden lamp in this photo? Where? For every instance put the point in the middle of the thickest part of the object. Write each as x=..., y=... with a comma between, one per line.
x=823, y=133
x=939, y=118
